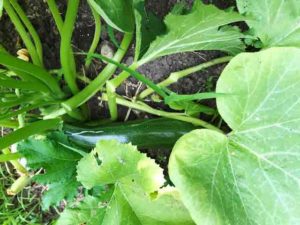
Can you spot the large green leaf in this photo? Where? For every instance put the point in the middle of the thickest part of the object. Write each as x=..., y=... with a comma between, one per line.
x=275, y=22
x=117, y=13
x=137, y=195
x=252, y=175
x=204, y=28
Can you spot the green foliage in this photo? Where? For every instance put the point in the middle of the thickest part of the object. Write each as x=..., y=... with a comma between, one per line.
x=207, y=32
x=117, y=13
x=22, y=209
x=89, y=211
x=275, y=22
x=52, y=153
x=148, y=27
x=137, y=196
x=246, y=176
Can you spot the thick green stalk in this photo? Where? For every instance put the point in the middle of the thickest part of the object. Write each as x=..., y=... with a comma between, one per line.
x=33, y=70
x=56, y=15
x=174, y=77
x=25, y=132
x=111, y=86
x=97, y=84
x=30, y=28
x=9, y=157
x=97, y=36
x=9, y=124
x=112, y=101
x=22, y=32
x=145, y=108
x=66, y=53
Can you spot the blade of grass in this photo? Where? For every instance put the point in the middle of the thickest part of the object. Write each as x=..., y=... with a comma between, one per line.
x=198, y=96
x=134, y=73
x=25, y=109
x=25, y=85
x=27, y=131
x=33, y=70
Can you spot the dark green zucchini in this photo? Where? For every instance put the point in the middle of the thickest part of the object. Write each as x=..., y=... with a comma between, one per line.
x=149, y=133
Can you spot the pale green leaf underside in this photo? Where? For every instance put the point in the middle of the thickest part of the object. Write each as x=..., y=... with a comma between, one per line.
x=135, y=178
x=251, y=176
x=117, y=13
x=276, y=22
x=199, y=30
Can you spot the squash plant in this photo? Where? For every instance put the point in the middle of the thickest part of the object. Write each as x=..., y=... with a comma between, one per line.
x=248, y=176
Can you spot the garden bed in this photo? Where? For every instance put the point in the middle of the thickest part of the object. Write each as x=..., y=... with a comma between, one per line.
x=219, y=119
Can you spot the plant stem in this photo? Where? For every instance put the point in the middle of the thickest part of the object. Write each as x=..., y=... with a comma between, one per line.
x=25, y=132
x=145, y=108
x=34, y=71
x=9, y=124
x=66, y=52
x=97, y=84
x=30, y=28
x=9, y=157
x=174, y=77
x=19, y=185
x=97, y=36
x=111, y=86
x=22, y=32
x=17, y=165
x=56, y=15
x=112, y=101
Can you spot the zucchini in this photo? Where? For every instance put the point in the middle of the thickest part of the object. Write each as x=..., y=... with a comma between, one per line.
x=148, y=133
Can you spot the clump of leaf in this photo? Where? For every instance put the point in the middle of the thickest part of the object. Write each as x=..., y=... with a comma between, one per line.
x=250, y=176
x=136, y=196
x=275, y=23
x=54, y=154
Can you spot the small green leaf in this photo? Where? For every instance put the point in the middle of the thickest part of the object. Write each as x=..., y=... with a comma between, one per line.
x=117, y=13
x=137, y=196
x=59, y=162
x=66, y=189
x=275, y=22
x=250, y=176
x=46, y=152
x=201, y=29
x=88, y=212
